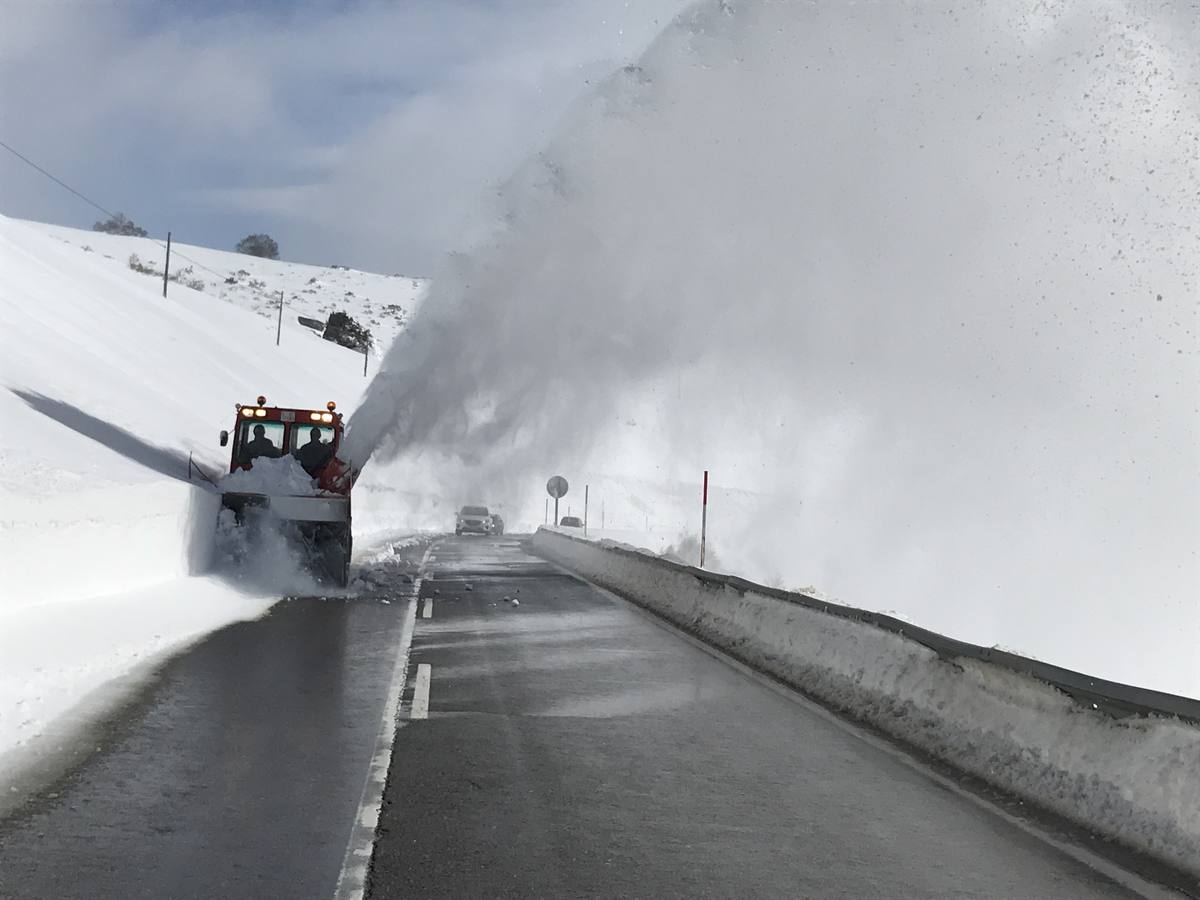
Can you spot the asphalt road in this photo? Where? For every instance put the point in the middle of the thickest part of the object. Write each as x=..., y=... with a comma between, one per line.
x=575, y=748
x=236, y=774
x=565, y=746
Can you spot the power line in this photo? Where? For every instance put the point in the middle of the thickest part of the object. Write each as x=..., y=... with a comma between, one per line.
x=58, y=181
x=89, y=201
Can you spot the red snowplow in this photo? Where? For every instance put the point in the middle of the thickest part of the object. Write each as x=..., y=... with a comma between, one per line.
x=308, y=497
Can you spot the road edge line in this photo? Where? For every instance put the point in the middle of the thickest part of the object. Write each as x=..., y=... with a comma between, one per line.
x=356, y=862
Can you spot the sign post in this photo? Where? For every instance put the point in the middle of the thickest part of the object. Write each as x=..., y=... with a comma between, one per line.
x=556, y=487
x=704, y=519
x=167, y=265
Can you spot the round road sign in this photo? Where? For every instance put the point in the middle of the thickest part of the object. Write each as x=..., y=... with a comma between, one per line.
x=557, y=487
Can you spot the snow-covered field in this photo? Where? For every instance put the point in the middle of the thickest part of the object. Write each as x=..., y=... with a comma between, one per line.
x=1133, y=780
x=380, y=302
x=106, y=389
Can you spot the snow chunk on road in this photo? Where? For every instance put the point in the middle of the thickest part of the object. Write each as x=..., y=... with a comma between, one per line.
x=279, y=477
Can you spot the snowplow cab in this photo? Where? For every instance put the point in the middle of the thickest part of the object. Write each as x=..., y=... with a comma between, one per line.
x=312, y=511
x=312, y=436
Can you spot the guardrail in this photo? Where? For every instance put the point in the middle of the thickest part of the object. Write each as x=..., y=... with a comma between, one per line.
x=1115, y=699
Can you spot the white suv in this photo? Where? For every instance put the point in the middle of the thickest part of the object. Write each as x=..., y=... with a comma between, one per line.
x=474, y=519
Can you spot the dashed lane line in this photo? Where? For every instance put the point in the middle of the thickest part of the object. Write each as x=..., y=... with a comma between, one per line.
x=420, y=701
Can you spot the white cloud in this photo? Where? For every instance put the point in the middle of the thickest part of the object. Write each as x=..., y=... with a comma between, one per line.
x=364, y=132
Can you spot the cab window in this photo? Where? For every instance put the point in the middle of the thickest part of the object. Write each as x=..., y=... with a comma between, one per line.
x=312, y=445
x=260, y=439
x=306, y=434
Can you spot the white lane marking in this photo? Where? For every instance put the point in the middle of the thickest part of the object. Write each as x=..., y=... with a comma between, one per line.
x=427, y=610
x=420, y=703
x=352, y=879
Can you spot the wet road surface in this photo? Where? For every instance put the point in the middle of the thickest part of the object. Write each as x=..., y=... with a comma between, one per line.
x=237, y=773
x=574, y=748
x=565, y=746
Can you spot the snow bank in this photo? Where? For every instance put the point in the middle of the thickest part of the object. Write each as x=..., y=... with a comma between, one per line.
x=1133, y=780
x=58, y=662
x=101, y=540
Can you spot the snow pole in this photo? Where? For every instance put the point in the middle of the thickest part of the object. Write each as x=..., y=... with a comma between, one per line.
x=167, y=265
x=279, y=327
x=704, y=519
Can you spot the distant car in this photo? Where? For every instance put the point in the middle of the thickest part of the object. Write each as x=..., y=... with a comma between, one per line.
x=497, y=524
x=474, y=520
x=571, y=522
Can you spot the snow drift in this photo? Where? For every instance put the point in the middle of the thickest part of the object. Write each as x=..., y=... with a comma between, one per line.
x=924, y=270
x=1132, y=780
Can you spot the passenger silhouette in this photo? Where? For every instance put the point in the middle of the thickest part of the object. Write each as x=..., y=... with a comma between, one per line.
x=260, y=446
x=313, y=455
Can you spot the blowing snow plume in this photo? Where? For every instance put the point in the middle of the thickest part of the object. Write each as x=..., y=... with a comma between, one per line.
x=925, y=271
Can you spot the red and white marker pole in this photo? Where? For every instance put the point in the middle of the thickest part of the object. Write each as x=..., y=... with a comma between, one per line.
x=704, y=520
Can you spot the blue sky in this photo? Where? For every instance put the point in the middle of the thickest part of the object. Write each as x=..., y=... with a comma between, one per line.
x=359, y=133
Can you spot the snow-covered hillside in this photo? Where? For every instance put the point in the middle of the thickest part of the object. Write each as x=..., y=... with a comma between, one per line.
x=106, y=389
x=380, y=302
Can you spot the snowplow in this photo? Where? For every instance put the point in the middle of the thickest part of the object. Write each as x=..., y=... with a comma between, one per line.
x=285, y=477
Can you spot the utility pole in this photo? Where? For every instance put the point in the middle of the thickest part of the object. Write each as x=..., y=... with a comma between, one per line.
x=585, y=508
x=167, y=265
x=279, y=327
x=704, y=519
x=546, y=513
